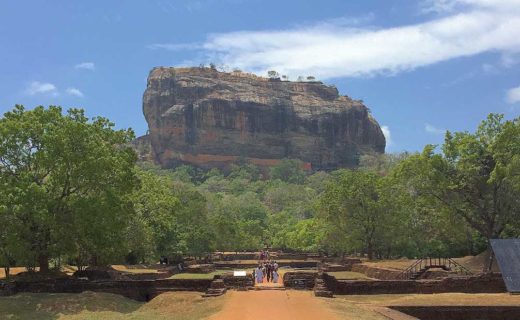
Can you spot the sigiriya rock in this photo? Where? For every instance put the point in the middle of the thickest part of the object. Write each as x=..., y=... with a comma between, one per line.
x=203, y=117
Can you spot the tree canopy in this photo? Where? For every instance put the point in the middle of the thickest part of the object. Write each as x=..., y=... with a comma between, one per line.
x=71, y=189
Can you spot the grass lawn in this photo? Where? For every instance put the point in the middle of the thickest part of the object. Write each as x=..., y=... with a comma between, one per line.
x=186, y=275
x=348, y=275
x=135, y=268
x=444, y=299
x=351, y=311
x=91, y=305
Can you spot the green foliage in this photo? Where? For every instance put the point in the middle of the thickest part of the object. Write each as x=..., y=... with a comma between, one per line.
x=66, y=183
x=69, y=187
x=474, y=179
x=355, y=206
x=193, y=221
x=153, y=229
x=289, y=170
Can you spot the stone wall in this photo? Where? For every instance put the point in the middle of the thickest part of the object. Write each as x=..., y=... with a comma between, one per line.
x=239, y=256
x=141, y=290
x=488, y=283
x=6, y=288
x=237, y=282
x=299, y=280
x=376, y=273
x=149, y=276
x=291, y=264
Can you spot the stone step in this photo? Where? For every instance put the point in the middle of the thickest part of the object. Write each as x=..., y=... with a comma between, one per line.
x=323, y=293
x=268, y=288
x=211, y=295
x=212, y=292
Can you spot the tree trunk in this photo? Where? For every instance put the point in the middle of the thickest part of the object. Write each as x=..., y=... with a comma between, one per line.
x=488, y=262
x=6, y=271
x=370, y=251
x=43, y=262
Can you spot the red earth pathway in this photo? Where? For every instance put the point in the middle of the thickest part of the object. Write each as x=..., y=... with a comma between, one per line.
x=273, y=305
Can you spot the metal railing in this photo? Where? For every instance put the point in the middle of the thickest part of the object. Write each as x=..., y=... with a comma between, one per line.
x=419, y=267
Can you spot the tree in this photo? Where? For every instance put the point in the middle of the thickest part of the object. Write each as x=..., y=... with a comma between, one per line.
x=289, y=170
x=154, y=229
x=474, y=178
x=355, y=210
x=305, y=235
x=66, y=181
x=239, y=222
x=272, y=74
x=311, y=78
x=381, y=163
x=193, y=220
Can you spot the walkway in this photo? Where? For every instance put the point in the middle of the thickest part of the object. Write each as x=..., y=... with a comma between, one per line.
x=274, y=305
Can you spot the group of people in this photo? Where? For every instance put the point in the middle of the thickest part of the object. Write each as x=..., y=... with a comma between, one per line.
x=267, y=270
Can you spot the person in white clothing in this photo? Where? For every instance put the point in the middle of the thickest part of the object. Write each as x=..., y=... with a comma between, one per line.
x=259, y=274
x=275, y=276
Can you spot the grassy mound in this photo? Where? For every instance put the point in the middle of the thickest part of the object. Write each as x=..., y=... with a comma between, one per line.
x=93, y=305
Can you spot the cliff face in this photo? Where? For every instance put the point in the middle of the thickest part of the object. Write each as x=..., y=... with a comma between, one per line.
x=208, y=118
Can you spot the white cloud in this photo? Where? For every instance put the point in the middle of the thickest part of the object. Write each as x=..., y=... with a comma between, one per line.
x=75, y=92
x=388, y=135
x=432, y=129
x=86, y=65
x=334, y=50
x=174, y=46
x=513, y=95
x=37, y=87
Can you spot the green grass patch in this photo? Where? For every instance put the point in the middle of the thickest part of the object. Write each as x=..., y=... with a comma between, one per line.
x=106, y=306
x=186, y=275
x=348, y=275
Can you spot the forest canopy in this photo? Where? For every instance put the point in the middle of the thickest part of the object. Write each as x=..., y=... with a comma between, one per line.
x=71, y=189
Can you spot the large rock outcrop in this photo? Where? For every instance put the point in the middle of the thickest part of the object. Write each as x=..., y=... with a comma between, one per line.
x=208, y=118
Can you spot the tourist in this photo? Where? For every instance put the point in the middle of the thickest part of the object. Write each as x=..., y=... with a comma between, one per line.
x=275, y=276
x=268, y=271
x=259, y=274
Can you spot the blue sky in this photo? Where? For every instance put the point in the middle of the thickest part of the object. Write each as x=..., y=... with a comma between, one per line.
x=421, y=66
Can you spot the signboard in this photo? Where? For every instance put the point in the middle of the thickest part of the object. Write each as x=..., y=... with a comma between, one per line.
x=239, y=273
x=507, y=253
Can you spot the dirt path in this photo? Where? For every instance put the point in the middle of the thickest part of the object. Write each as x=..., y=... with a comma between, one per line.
x=275, y=305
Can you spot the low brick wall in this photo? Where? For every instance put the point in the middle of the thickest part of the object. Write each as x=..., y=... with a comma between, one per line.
x=376, y=273
x=291, y=264
x=299, y=280
x=6, y=288
x=328, y=267
x=488, y=283
x=141, y=290
x=233, y=256
x=149, y=276
x=233, y=282
x=461, y=312
x=200, y=268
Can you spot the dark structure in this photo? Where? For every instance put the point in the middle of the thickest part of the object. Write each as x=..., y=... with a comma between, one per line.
x=507, y=253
